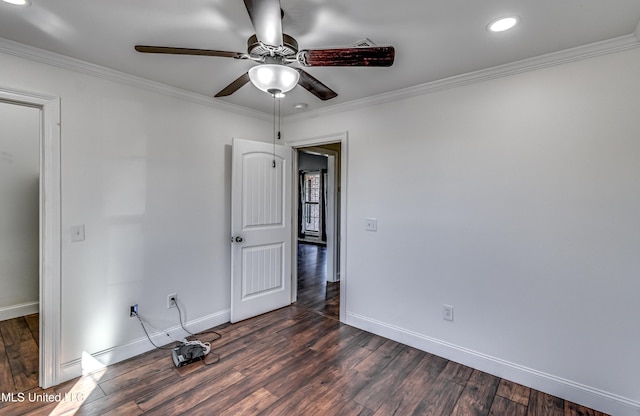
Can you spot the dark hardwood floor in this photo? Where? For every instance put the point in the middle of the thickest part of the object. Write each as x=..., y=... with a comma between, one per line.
x=314, y=292
x=19, y=353
x=296, y=361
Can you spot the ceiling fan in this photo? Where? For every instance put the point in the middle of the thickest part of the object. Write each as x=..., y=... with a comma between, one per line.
x=274, y=51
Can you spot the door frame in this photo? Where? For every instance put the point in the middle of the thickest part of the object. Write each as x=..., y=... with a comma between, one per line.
x=342, y=138
x=50, y=231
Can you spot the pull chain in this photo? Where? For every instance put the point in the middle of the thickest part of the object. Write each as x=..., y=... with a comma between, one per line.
x=273, y=163
x=276, y=131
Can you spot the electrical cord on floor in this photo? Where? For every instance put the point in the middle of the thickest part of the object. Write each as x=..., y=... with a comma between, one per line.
x=216, y=359
x=149, y=338
x=208, y=343
x=205, y=345
x=217, y=334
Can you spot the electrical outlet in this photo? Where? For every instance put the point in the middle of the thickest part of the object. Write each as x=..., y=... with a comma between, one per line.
x=171, y=300
x=77, y=233
x=133, y=310
x=447, y=312
x=371, y=224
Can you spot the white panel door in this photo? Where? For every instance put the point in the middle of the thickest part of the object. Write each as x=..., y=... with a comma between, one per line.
x=260, y=228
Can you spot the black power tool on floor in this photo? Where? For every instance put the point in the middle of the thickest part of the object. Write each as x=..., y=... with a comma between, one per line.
x=189, y=352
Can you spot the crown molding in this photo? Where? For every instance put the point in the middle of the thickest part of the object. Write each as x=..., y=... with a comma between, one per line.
x=61, y=61
x=579, y=53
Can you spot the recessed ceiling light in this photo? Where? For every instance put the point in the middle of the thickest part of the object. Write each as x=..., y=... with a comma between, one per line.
x=301, y=106
x=502, y=24
x=18, y=2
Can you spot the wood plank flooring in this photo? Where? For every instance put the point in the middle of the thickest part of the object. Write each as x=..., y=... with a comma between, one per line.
x=295, y=361
x=314, y=292
x=19, y=353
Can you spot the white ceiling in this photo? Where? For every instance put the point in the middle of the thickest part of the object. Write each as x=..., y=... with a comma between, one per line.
x=434, y=39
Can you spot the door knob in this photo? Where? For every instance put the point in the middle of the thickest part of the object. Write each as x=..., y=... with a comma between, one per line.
x=238, y=239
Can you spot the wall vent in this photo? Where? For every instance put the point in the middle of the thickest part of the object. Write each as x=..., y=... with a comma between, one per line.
x=364, y=43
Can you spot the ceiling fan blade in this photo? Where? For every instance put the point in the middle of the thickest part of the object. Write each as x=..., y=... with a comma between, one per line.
x=369, y=56
x=266, y=17
x=189, y=51
x=234, y=86
x=314, y=86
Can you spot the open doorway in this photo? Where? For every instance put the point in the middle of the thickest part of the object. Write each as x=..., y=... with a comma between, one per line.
x=19, y=246
x=318, y=210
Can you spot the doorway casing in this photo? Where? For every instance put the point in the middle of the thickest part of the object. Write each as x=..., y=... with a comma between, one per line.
x=341, y=236
x=50, y=214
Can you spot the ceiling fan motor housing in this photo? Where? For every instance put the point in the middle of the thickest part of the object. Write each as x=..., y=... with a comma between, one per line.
x=289, y=47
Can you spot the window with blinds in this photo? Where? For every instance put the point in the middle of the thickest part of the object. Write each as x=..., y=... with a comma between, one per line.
x=311, y=203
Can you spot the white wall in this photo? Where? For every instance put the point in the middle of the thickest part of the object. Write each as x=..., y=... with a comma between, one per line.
x=149, y=177
x=19, y=199
x=516, y=200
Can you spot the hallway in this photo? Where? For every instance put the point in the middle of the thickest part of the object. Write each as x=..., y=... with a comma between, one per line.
x=314, y=292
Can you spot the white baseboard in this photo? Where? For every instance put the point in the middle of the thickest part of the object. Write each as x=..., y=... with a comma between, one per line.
x=14, y=311
x=73, y=369
x=547, y=383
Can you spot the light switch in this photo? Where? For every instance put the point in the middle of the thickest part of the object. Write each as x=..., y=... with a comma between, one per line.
x=372, y=224
x=77, y=233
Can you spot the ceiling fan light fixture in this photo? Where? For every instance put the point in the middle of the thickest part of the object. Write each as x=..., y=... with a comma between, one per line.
x=503, y=23
x=274, y=78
